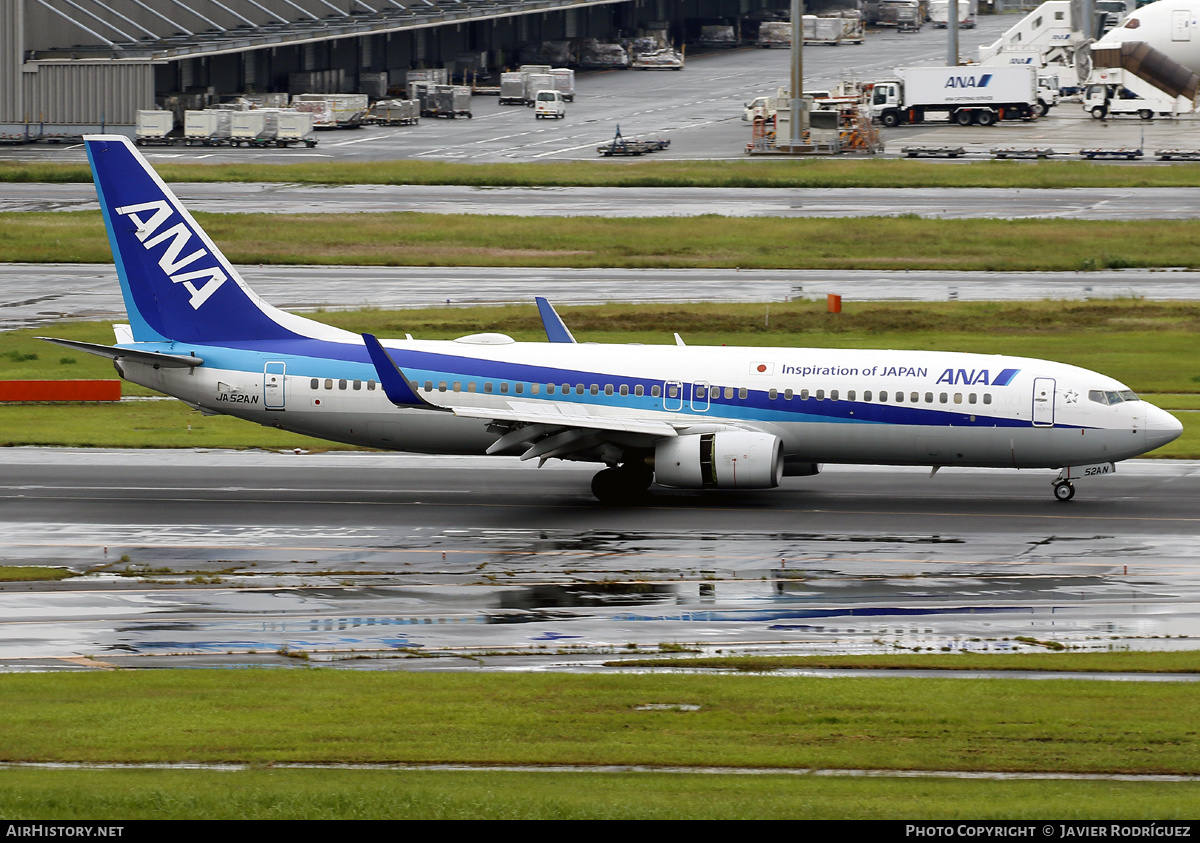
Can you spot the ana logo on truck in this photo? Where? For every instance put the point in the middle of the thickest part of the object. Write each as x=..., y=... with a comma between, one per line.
x=969, y=81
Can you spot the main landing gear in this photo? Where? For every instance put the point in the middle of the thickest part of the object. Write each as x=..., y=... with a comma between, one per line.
x=623, y=485
x=1064, y=490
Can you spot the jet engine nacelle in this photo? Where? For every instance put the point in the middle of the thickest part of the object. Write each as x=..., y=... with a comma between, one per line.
x=729, y=459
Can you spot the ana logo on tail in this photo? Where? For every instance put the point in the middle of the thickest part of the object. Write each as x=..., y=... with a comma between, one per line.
x=176, y=237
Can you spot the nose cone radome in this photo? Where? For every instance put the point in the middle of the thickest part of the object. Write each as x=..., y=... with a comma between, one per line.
x=1161, y=427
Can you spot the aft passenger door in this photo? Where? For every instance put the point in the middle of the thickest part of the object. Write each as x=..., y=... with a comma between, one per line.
x=274, y=378
x=1043, y=402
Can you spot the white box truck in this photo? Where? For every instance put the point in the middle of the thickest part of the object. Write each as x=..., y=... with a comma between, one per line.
x=964, y=95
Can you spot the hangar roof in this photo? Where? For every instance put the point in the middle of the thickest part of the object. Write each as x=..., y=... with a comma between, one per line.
x=150, y=30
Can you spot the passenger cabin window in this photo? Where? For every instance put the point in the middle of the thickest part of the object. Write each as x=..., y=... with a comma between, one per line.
x=315, y=383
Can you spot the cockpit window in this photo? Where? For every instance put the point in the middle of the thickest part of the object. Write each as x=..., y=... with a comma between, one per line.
x=1110, y=397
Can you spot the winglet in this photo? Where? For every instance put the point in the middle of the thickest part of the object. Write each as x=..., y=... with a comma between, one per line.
x=556, y=329
x=396, y=386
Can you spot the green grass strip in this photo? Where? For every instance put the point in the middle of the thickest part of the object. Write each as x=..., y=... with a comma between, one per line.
x=838, y=172
x=359, y=717
x=125, y=795
x=413, y=239
x=33, y=573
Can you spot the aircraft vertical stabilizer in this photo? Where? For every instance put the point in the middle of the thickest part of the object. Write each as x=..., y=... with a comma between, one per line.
x=176, y=283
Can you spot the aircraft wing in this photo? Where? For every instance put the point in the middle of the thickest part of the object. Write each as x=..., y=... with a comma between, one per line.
x=548, y=429
x=566, y=415
x=557, y=430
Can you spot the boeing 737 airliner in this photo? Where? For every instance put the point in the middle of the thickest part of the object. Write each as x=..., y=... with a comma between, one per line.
x=679, y=416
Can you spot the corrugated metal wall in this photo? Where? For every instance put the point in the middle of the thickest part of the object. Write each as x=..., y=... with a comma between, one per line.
x=12, y=24
x=86, y=93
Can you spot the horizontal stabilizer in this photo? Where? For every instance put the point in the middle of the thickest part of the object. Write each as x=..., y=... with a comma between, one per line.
x=155, y=358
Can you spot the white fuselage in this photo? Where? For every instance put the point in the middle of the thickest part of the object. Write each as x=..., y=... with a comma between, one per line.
x=826, y=405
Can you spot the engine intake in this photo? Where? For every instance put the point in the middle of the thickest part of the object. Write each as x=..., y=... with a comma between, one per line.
x=729, y=459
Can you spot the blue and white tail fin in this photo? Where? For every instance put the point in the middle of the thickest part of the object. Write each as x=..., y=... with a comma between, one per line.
x=176, y=283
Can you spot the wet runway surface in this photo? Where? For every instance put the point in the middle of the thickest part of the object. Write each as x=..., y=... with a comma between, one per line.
x=935, y=203
x=363, y=560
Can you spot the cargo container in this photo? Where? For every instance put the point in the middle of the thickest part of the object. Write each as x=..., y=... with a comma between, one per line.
x=939, y=13
x=443, y=100
x=823, y=30
x=537, y=81
x=718, y=36
x=254, y=128
x=512, y=88
x=209, y=127
x=154, y=127
x=394, y=112
x=965, y=95
x=664, y=59
x=433, y=75
x=774, y=33
x=343, y=111
x=295, y=127
x=904, y=15
x=564, y=82
x=594, y=54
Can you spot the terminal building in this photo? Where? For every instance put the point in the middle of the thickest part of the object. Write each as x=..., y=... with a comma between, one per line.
x=74, y=66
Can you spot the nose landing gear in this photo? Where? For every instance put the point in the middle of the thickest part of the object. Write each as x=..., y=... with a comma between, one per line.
x=1064, y=490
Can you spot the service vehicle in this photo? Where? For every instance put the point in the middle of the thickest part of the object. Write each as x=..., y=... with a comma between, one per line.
x=549, y=104
x=964, y=95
